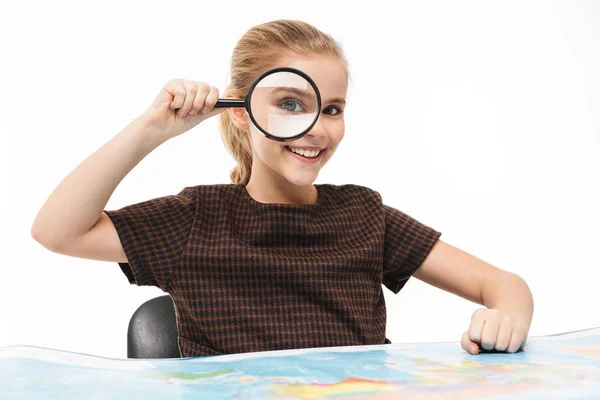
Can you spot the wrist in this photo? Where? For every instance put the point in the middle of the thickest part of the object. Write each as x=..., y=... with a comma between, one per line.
x=148, y=133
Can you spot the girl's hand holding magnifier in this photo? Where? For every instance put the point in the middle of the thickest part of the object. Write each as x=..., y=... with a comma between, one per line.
x=283, y=103
x=181, y=105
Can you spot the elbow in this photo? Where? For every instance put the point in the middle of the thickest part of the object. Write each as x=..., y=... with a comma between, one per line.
x=44, y=238
x=36, y=233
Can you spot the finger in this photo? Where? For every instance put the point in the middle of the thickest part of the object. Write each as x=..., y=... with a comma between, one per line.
x=516, y=341
x=190, y=94
x=504, y=334
x=202, y=90
x=211, y=100
x=177, y=90
x=476, y=326
x=523, y=342
x=489, y=335
x=468, y=345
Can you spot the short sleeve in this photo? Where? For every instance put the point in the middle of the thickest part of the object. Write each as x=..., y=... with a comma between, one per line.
x=154, y=234
x=406, y=244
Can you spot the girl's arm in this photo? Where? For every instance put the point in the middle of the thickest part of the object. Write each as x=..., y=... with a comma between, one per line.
x=504, y=324
x=77, y=203
x=72, y=221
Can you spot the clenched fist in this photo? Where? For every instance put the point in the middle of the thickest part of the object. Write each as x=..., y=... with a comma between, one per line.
x=494, y=330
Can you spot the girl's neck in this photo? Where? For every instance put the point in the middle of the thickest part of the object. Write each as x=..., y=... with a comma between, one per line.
x=280, y=190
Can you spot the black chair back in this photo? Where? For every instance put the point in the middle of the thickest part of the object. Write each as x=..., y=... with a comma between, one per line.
x=152, y=331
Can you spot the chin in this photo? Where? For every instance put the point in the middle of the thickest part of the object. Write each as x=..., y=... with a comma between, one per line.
x=301, y=179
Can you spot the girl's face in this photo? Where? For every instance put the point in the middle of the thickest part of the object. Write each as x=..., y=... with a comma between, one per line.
x=272, y=158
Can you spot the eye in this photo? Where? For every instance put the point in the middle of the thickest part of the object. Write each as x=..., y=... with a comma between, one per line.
x=291, y=105
x=337, y=110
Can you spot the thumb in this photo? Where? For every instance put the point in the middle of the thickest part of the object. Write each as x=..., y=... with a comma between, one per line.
x=214, y=111
x=468, y=345
x=191, y=121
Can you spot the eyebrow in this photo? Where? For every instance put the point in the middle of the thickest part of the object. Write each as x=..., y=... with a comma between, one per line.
x=304, y=93
x=337, y=100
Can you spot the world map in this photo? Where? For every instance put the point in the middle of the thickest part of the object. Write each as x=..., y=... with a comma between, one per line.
x=559, y=366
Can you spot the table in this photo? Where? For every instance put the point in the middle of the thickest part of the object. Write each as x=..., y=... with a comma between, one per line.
x=561, y=366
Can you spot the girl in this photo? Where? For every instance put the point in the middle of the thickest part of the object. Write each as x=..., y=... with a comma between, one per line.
x=270, y=261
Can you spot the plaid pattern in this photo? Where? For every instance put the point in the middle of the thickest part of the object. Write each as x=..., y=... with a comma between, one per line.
x=247, y=276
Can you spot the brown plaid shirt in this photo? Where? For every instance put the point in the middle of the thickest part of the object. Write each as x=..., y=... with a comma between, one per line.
x=247, y=276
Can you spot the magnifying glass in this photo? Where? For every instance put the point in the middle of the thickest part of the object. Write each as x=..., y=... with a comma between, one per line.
x=283, y=103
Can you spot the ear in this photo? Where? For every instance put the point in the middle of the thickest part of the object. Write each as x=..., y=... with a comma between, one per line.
x=239, y=117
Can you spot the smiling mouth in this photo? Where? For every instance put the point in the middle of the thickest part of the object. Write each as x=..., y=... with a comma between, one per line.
x=308, y=155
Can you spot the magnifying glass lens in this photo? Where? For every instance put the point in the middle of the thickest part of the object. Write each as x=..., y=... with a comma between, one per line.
x=284, y=104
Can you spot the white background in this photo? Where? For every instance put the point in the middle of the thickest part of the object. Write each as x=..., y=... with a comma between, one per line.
x=479, y=119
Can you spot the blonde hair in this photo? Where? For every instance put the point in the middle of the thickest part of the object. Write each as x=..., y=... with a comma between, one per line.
x=257, y=51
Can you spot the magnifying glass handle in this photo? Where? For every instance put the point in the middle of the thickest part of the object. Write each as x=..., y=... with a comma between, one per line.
x=230, y=103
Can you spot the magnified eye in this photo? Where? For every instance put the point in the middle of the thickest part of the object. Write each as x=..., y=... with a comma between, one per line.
x=291, y=105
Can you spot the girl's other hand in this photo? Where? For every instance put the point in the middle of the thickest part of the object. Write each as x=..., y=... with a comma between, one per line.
x=494, y=330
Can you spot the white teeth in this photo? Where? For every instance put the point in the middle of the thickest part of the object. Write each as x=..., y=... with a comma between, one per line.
x=306, y=153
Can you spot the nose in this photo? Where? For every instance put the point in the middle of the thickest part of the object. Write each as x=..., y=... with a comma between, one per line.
x=318, y=130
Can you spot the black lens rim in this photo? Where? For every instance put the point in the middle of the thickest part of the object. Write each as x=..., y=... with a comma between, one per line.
x=272, y=71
